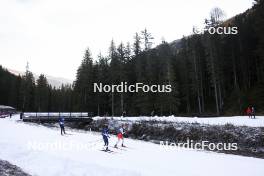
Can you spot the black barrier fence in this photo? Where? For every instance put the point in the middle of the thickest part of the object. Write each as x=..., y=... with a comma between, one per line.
x=54, y=116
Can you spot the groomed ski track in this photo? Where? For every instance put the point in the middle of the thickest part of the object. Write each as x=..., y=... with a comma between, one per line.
x=84, y=158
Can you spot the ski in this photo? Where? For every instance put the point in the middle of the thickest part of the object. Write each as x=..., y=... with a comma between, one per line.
x=108, y=151
x=119, y=148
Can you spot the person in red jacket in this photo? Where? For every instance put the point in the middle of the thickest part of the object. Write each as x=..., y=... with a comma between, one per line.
x=120, y=136
x=249, y=112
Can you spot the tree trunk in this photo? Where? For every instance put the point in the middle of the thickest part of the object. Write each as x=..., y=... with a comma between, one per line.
x=113, y=104
x=220, y=99
x=216, y=98
x=201, y=93
x=213, y=72
x=188, y=106
x=122, y=103
x=197, y=82
x=234, y=69
x=98, y=109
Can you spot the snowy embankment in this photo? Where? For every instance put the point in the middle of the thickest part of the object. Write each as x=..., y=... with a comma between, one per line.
x=235, y=120
x=8, y=169
x=42, y=151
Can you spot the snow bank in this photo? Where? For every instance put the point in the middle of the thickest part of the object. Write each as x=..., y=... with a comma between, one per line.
x=140, y=158
x=7, y=169
x=235, y=120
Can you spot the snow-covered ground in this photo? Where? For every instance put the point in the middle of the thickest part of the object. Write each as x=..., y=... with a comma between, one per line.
x=235, y=120
x=78, y=154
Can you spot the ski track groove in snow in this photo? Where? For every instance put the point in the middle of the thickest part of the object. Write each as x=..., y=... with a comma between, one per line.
x=143, y=158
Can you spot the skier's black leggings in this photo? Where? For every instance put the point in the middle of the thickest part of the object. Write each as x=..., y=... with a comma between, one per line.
x=105, y=140
x=62, y=129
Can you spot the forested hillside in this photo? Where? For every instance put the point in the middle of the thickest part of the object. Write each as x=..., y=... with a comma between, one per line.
x=210, y=75
x=26, y=94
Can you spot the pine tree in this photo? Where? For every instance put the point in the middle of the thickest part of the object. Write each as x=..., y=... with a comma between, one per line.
x=147, y=38
x=84, y=83
x=42, y=94
x=27, y=91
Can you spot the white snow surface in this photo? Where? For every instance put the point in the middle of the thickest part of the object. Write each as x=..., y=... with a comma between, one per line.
x=140, y=158
x=235, y=120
